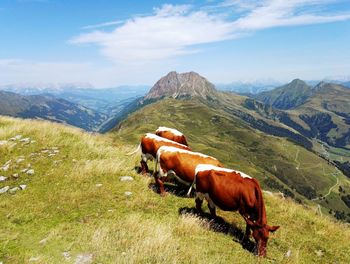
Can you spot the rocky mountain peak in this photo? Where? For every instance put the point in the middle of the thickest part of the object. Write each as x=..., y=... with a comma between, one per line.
x=180, y=85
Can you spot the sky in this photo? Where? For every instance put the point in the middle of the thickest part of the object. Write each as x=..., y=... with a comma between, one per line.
x=108, y=43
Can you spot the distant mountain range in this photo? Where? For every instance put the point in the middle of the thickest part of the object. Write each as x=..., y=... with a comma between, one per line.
x=50, y=108
x=321, y=112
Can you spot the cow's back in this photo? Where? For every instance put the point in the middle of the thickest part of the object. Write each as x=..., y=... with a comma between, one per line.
x=151, y=145
x=184, y=164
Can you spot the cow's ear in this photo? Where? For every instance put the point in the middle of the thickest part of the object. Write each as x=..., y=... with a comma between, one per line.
x=273, y=228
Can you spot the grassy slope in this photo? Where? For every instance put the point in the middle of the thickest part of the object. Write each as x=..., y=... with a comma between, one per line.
x=62, y=210
x=230, y=140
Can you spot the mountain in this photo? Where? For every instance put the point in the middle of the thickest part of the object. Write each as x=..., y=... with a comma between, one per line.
x=346, y=84
x=321, y=112
x=105, y=100
x=87, y=214
x=287, y=96
x=248, y=87
x=182, y=85
x=50, y=108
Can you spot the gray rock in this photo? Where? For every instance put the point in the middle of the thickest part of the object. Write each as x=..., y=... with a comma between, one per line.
x=126, y=178
x=128, y=193
x=23, y=186
x=85, y=258
x=30, y=172
x=19, y=160
x=3, y=142
x=17, y=137
x=3, y=178
x=13, y=190
x=24, y=170
x=15, y=175
x=99, y=185
x=289, y=253
x=34, y=259
x=4, y=189
x=66, y=255
x=25, y=140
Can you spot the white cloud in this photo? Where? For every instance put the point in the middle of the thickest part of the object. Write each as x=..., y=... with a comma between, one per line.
x=174, y=30
x=106, y=24
x=170, y=31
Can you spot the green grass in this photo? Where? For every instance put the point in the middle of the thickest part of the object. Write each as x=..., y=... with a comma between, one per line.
x=62, y=210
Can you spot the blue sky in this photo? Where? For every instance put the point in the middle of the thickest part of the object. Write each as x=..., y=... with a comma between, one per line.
x=110, y=43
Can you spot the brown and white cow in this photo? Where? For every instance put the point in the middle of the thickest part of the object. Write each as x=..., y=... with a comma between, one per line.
x=232, y=190
x=180, y=164
x=150, y=143
x=171, y=134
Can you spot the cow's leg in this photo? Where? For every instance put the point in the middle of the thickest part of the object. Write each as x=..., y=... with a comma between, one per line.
x=247, y=233
x=199, y=201
x=211, y=206
x=144, y=167
x=160, y=186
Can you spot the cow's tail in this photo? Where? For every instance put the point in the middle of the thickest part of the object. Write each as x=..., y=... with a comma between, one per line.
x=137, y=149
x=192, y=186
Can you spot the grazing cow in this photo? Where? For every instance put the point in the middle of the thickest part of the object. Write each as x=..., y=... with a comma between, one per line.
x=233, y=190
x=180, y=164
x=171, y=134
x=150, y=143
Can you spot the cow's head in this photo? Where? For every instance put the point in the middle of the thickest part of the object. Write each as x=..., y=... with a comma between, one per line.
x=261, y=235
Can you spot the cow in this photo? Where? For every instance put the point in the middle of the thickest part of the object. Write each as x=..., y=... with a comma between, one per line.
x=179, y=164
x=150, y=143
x=232, y=190
x=171, y=134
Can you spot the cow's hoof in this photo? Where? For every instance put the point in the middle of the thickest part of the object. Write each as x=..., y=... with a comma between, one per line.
x=163, y=194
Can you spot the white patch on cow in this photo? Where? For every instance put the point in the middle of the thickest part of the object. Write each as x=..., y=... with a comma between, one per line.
x=207, y=167
x=158, y=138
x=173, y=149
x=172, y=130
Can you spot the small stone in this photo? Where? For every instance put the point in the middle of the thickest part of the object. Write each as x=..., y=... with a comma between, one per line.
x=66, y=255
x=56, y=151
x=289, y=253
x=319, y=253
x=25, y=140
x=33, y=141
x=54, y=148
x=3, y=142
x=19, y=160
x=85, y=258
x=15, y=175
x=4, y=189
x=43, y=241
x=128, y=193
x=126, y=178
x=51, y=155
x=6, y=167
x=3, y=178
x=30, y=172
x=23, y=187
x=34, y=259
x=17, y=137
x=24, y=170
x=45, y=151
x=13, y=190
x=99, y=185
x=124, y=253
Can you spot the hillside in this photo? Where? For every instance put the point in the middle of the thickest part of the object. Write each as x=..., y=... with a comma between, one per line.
x=78, y=200
x=50, y=108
